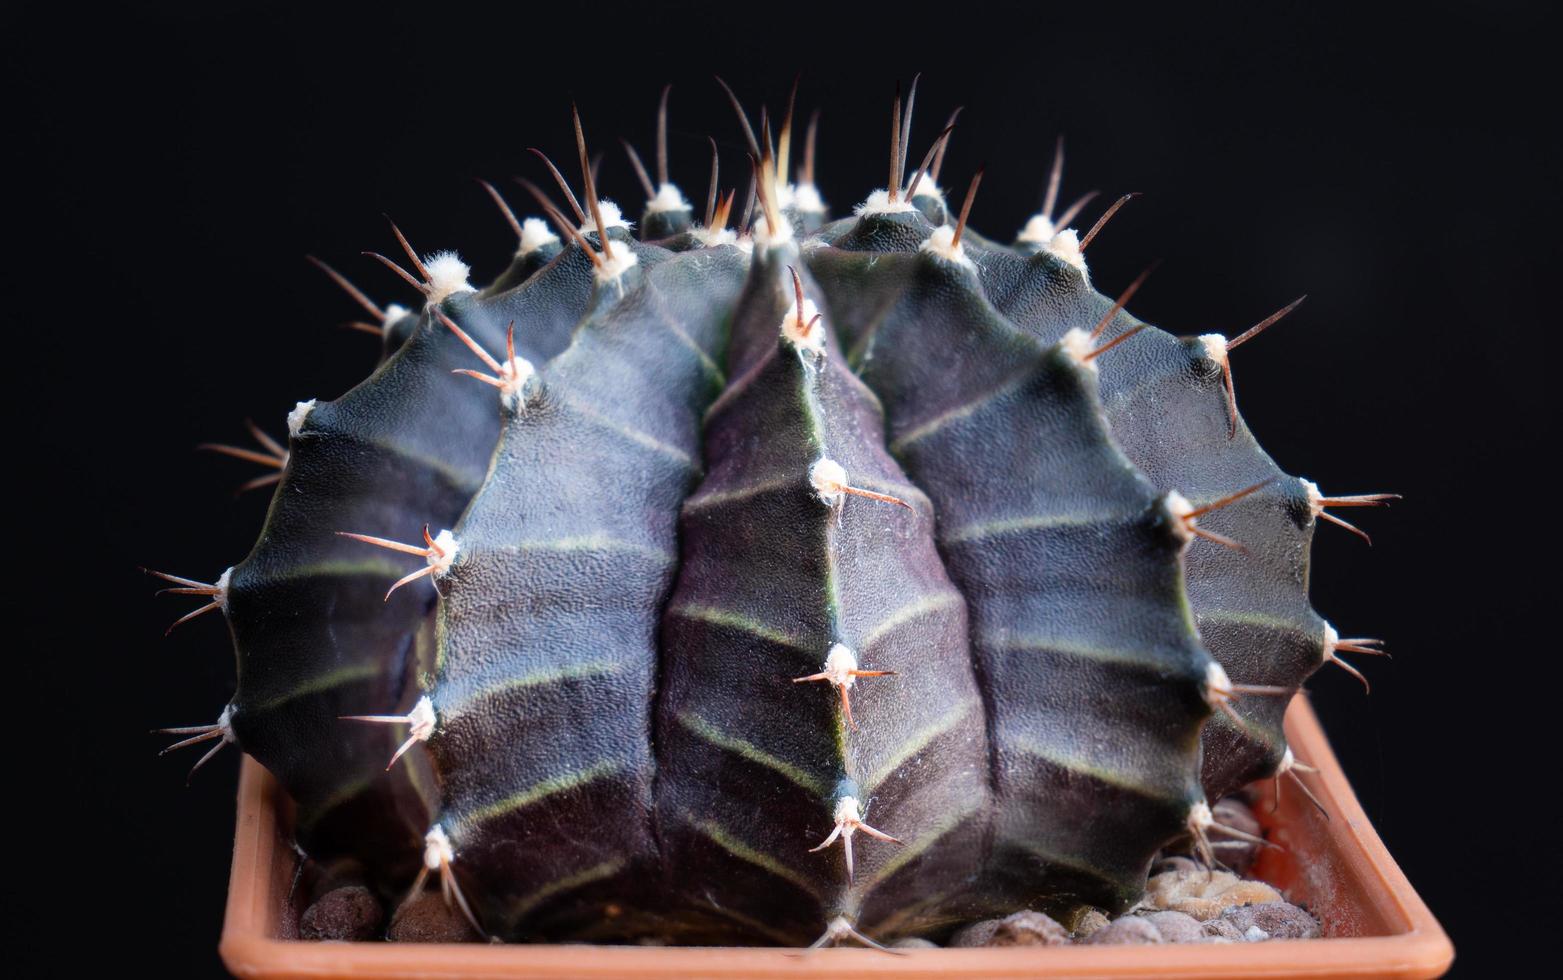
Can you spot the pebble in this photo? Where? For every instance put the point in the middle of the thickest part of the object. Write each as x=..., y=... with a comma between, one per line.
x=914, y=942
x=1220, y=930
x=1177, y=927
x=1205, y=895
x=426, y=919
x=1089, y=922
x=1131, y=930
x=1021, y=929
x=349, y=913
x=1029, y=929
x=1275, y=920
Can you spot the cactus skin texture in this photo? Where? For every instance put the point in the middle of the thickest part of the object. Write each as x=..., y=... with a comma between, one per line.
x=544, y=704
x=806, y=581
x=315, y=635
x=1092, y=673
x=780, y=576
x=1251, y=606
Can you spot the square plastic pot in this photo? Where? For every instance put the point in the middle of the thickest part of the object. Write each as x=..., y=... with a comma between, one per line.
x=1375, y=923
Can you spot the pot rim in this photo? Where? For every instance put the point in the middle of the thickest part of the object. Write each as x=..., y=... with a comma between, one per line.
x=1340, y=863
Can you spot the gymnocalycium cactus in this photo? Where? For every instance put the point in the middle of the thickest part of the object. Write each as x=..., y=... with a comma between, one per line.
x=792, y=582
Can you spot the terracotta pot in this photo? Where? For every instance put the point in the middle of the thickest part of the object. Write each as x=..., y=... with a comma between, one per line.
x=1338, y=868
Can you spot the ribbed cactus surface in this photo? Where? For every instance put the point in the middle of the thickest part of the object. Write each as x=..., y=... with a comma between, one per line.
x=795, y=581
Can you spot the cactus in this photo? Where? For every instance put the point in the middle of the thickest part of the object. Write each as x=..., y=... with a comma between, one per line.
x=801, y=581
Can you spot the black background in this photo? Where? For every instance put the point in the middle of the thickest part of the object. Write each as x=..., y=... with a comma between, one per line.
x=176, y=168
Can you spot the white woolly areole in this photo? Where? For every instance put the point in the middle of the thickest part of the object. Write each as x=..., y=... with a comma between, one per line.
x=611, y=269
x=1039, y=230
x=394, y=312
x=445, y=548
x=437, y=851
x=806, y=200
x=927, y=188
x=225, y=723
x=792, y=328
x=1218, y=686
x=298, y=415
x=711, y=237
x=1066, y=246
x=1179, y=507
x=668, y=199
x=767, y=238
x=829, y=479
x=848, y=811
x=942, y=243
x=838, y=929
x=1200, y=817
x=839, y=665
x=421, y=720
x=1077, y=344
x=612, y=217
x=1331, y=641
x=1215, y=346
x=514, y=375
x=1288, y=762
x=879, y=203
x=786, y=196
x=447, y=275
x=1315, y=498
x=221, y=595
x=535, y=233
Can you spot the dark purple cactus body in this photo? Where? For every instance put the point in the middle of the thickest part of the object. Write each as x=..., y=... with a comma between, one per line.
x=1070, y=561
x=1251, y=605
x=804, y=581
x=815, y=660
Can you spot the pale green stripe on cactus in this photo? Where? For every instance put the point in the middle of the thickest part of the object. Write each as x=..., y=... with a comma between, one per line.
x=752, y=752
x=368, y=568
x=779, y=936
x=1241, y=617
x=703, y=501
x=915, y=848
x=319, y=684
x=1081, y=767
x=733, y=620
x=922, y=606
x=633, y=435
x=563, y=672
x=541, y=791
x=1030, y=846
x=738, y=849
x=590, y=542
x=1019, y=525
x=458, y=479
x=526, y=903
x=894, y=922
x=711, y=368
x=965, y=410
x=916, y=742
x=1067, y=648
x=732, y=391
